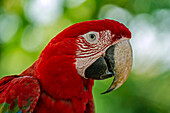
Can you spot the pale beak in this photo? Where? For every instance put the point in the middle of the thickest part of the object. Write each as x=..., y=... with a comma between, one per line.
x=117, y=62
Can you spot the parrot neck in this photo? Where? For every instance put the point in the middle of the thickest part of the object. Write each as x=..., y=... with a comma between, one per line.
x=59, y=80
x=58, y=83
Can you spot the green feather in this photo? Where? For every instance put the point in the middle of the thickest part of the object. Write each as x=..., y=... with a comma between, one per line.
x=5, y=107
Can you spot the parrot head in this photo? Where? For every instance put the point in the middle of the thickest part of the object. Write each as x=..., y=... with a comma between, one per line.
x=100, y=49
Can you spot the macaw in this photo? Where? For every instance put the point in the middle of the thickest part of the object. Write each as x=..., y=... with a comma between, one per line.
x=61, y=79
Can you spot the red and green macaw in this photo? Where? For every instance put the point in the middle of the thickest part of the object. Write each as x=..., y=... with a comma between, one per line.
x=61, y=79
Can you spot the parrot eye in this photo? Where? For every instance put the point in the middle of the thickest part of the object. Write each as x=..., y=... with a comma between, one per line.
x=92, y=37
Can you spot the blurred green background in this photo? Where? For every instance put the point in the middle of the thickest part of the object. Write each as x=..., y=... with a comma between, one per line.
x=26, y=26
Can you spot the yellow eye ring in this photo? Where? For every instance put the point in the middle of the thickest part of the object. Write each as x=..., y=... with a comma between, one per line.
x=92, y=37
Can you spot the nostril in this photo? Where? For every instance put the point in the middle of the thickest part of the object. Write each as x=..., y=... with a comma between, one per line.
x=119, y=37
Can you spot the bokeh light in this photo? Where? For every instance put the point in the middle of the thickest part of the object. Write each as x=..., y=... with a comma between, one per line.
x=43, y=11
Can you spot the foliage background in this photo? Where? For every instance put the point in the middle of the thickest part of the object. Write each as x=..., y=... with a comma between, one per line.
x=26, y=26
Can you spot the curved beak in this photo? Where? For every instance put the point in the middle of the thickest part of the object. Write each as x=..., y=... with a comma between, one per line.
x=117, y=62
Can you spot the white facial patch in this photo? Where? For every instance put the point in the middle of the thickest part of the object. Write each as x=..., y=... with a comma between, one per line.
x=90, y=48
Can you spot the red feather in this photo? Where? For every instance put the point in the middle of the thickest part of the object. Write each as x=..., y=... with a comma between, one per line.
x=25, y=89
x=63, y=90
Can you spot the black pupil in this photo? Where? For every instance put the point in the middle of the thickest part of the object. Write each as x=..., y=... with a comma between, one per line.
x=92, y=36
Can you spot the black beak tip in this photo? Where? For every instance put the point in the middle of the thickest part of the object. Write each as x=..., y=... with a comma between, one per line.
x=109, y=90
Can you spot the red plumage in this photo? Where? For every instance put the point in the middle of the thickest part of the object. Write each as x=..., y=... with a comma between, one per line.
x=25, y=89
x=63, y=90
